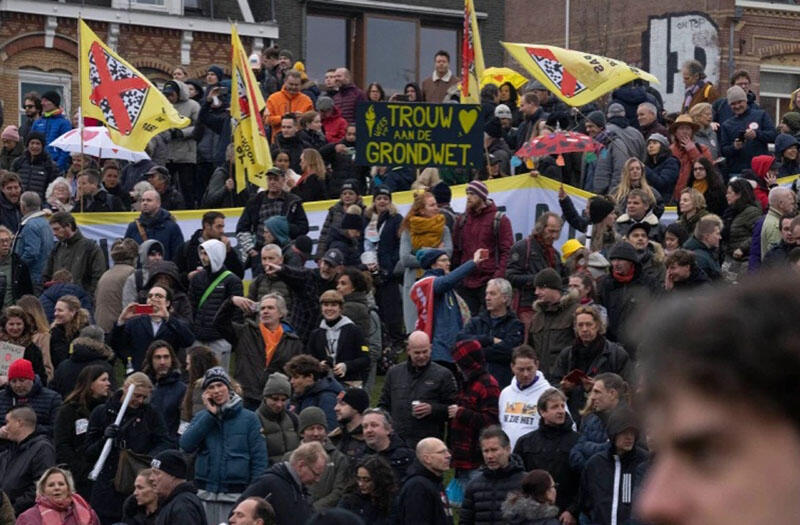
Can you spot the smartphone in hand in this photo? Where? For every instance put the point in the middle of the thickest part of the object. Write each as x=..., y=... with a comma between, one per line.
x=143, y=309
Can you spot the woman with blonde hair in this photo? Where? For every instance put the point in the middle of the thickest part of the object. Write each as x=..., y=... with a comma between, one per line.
x=703, y=116
x=68, y=319
x=423, y=227
x=691, y=208
x=311, y=184
x=141, y=433
x=633, y=176
x=57, y=503
x=41, y=329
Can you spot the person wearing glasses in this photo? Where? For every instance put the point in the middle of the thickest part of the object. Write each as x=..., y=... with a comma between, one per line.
x=286, y=483
x=423, y=498
x=135, y=328
x=32, y=106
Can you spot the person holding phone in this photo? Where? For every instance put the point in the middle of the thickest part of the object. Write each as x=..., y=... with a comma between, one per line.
x=140, y=324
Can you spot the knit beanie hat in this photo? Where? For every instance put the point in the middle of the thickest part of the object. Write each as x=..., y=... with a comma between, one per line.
x=356, y=398
x=427, y=257
x=661, y=139
x=10, y=133
x=548, y=278
x=599, y=209
x=624, y=251
x=277, y=383
x=35, y=135
x=311, y=416
x=286, y=53
x=597, y=118
x=735, y=94
x=53, y=97
x=304, y=245
x=792, y=119
x=442, y=193
x=383, y=190
x=21, y=369
x=278, y=226
x=351, y=221
x=172, y=462
x=493, y=128
x=216, y=374
x=217, y=71
x=478, y=188
x=349, y=184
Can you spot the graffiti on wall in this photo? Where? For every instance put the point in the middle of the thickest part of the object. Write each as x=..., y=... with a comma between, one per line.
x=671, y=40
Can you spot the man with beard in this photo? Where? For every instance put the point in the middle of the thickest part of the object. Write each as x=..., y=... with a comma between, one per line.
x=288, y=141
x=278, y=424
x=156, y=223
x=349, y=435
x=212, y=227
x=288, y=100
x=33, y=110
x=381, y=439
x=651, y=255
x=482, y=226
x=163, y=368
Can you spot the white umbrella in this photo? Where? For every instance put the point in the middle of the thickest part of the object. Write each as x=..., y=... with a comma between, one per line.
x=97, y=143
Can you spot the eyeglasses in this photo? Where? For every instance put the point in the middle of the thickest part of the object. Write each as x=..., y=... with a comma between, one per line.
x=5, y=240
x=28, y=106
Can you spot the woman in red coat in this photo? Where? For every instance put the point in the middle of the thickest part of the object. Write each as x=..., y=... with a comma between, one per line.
x=57, y=503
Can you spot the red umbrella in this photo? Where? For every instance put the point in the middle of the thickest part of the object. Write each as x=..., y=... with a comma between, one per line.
x=556, y=143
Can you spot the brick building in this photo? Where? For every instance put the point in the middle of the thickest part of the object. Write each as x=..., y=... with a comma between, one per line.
x=659, y=35
x=390, y=42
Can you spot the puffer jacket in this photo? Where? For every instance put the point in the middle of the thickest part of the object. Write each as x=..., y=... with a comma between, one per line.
x=484, y=329
x=85, y=352
x=7, y=157
x=188, y=258
x=279, y=431
x=738, y=160
x=476, y=231
x=346, y=99
x=160, y=227
x=433, y=384
x=36, y=172
x=53, y=126
x=248, y=345
x=521, y=510
x=184, y=149
x=231, y=452
x=333, y=221
x=485, y=494
x=22, y=464
x=43, y=401
x=526, y=260
x=737, y=231
x=323, y=394
x=593, y=439
x=230, y=286
x=551, y=329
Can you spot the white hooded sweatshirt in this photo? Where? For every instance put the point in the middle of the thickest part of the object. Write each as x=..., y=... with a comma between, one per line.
x=518, y=412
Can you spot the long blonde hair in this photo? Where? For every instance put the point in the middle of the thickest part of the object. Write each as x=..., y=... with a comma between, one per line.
x=31, y=305
x=80, y=319
x=624, y=187
x=314, y=162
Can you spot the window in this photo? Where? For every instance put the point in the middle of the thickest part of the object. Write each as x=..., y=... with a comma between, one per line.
x=173, y=7
x=775, y=89
x=42, y=82
x=326, y=45
x=391, y=52
x=431, y=40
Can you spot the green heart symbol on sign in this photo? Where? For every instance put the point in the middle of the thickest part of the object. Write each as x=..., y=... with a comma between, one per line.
x=467, y=118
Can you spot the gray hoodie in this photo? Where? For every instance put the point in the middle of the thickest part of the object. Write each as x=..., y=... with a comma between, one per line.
x=184, y=149
x=130, y=291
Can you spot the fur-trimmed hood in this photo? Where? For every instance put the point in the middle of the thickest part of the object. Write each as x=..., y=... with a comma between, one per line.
x=566, y=301
x=520, y=509
x=85, y=349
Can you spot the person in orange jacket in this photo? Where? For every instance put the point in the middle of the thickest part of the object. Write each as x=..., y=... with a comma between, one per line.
x=288, y=100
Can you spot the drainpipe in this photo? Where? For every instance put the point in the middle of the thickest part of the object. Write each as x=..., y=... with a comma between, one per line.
x=737, y=16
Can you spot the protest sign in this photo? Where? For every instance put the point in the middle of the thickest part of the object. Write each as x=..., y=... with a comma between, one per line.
x=8, y=354
x=417, y=134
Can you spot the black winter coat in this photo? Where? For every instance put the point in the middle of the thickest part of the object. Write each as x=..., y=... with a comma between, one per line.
x=43, y=401
x=133, y=514
x=483, y=328
x=20, y=279
x=166, y=398
x=398, y=456
x=307, y=285
x=598, y=492
x=423, y=499
x=85, y=352
x=293, y=146
x=350, y=349
x=310, y=189
x=142, y=431
x=433, y=384
x=548, y=448
x=182, y=507
x=21, y=466
x=203, y=326
x=72, y=423
x=292, y=209
x=36, y=173
x=289, y=500
x=343, y=167
x=102, y=201
x=622, y=300
x=525, y=261
x=133, y=338
x=363, y=507
x=188, y=258
x=485, y=494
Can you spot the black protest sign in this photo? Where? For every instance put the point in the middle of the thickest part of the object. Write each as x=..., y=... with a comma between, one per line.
x=418, y=134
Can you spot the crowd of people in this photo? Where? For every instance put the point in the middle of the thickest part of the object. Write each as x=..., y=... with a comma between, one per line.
x=515, y=374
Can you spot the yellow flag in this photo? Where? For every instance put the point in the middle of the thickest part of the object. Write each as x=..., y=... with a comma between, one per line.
x=575, y=77
x=115, y=93
x=251, y=149
x=471, y=57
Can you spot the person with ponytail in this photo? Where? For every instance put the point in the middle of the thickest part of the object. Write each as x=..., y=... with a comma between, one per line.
x=68, y=319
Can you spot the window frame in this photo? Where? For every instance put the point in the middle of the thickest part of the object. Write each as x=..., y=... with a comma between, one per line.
x=31, y=76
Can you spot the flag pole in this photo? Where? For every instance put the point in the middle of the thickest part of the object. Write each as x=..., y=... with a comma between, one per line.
x=80, y=95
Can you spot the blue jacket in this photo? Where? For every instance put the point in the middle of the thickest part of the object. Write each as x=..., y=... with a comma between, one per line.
x=447, y=321
x=53, y=127
x=33, y=244
x=166, y=398
x=662, y=173
x=739, y=159
x=231, y=452
x=484, y=329
x=323, y=394
x=161, y=227
x=55, y=292
x=592, y=440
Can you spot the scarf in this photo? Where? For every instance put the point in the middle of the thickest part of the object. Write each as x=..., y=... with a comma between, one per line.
x=547, y=250
x=701, y=185
x=624, y=278
x=425, y=232
x=52, y=510
x=48, y=114
x=691, y=92
x=271, y=340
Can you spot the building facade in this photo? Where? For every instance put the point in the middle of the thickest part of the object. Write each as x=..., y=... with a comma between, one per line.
x=659, y=35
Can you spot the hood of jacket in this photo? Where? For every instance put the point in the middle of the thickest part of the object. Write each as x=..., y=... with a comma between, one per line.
x=160, y=217
x=144, y=248
x=566, y=301
x=216, y=253
x=232, y=408
x=782, y=142
x=333, y=114
x=761, y=164
x=85, y=349
x=167, y=268
x=183, y=91
x=522, y=509
x=343, y=320
x=469, y=357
